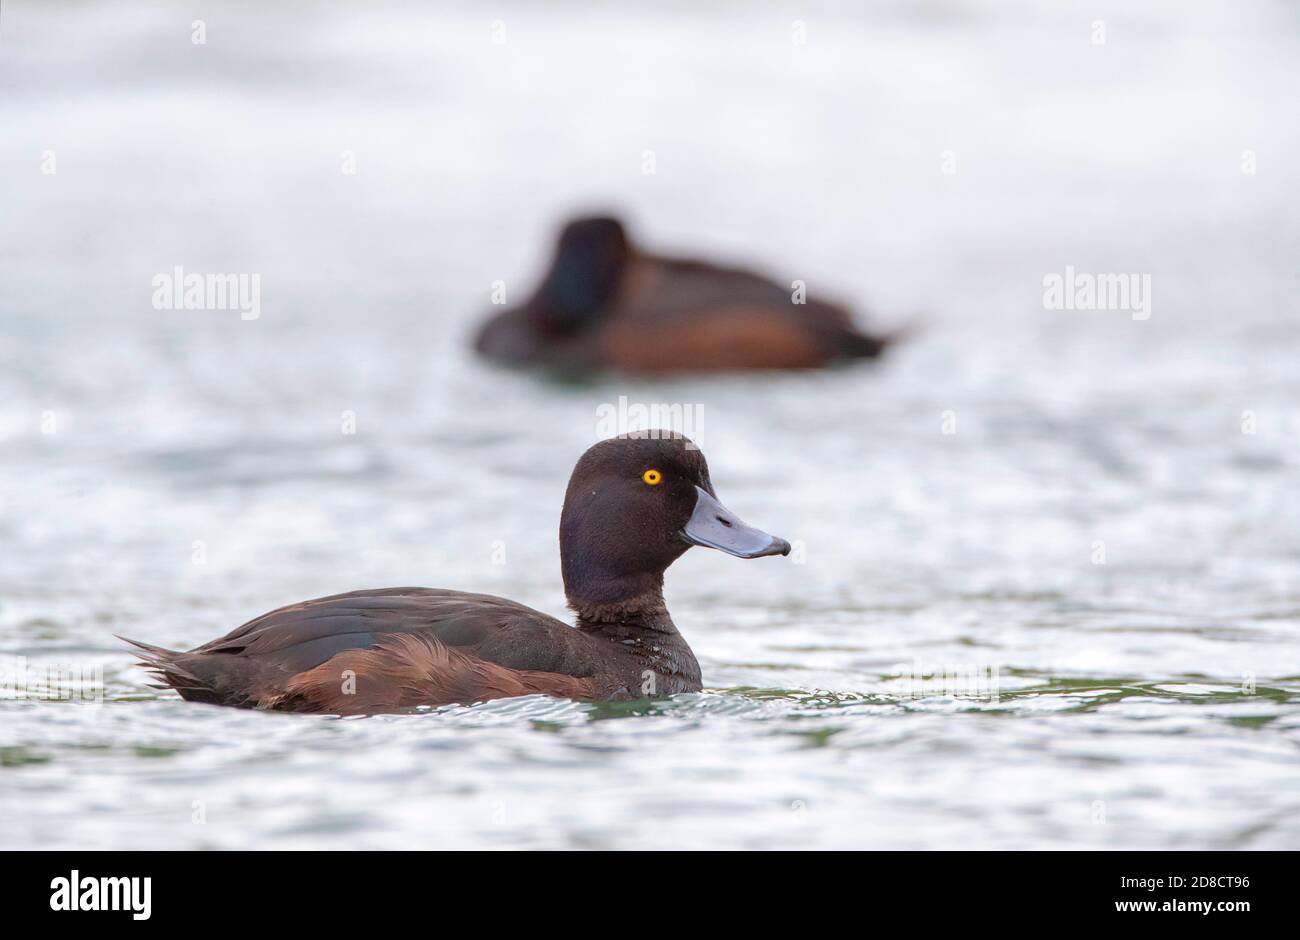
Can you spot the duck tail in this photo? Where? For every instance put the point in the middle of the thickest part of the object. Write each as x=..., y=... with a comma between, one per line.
x=204, y=677
x=856, y=345
x=165, y=665
x=870, y=345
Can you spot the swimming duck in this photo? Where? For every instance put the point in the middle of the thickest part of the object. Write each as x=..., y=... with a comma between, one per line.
x=605, y=304
x=634, y=505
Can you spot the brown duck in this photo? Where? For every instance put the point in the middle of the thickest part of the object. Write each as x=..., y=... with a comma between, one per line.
x=605, y=304
x=634, y=505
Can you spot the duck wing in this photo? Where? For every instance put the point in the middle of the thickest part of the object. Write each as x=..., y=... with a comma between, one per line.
x=382, y=650
x=677, y=314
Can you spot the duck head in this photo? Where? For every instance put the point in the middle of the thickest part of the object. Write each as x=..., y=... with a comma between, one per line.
x=591, y=256
x=634, y=505
x=584, y=276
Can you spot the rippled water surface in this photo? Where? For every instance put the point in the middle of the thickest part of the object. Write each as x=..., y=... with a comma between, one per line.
x=1111, y=529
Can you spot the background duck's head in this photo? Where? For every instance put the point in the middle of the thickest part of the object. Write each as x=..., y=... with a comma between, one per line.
x=584, y=276
x=582, y=282
x=634, y=505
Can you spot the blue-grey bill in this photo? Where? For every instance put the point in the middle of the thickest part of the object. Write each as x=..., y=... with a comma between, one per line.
x=713, y=525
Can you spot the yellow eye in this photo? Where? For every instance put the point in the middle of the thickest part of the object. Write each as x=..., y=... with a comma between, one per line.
x=653, y=477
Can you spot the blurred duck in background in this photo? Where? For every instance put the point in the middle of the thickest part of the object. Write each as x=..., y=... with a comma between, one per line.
x=605, y=304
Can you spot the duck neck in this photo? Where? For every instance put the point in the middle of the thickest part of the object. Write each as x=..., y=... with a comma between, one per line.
x=621, y=618
x=662, y=661
x=607, y=596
